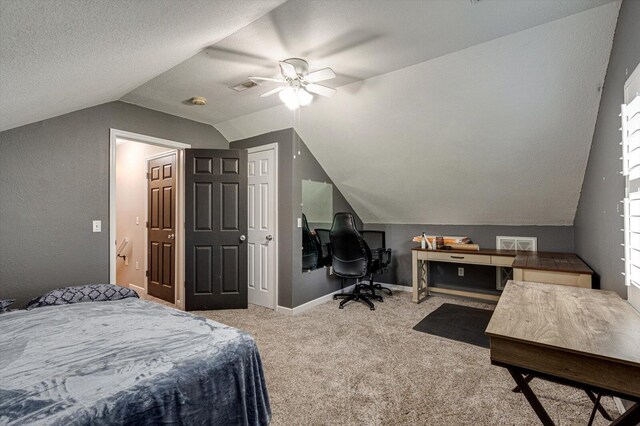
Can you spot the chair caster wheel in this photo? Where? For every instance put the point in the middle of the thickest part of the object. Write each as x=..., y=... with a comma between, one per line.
x=335, y=297
x=372, y=309
x=341, y=307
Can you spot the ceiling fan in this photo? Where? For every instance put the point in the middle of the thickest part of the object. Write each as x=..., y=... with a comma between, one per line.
x=299, y=83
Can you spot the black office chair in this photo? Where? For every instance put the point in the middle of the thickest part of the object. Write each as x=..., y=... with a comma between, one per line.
x=311, y=250
x=352, y=258
x=377, y=243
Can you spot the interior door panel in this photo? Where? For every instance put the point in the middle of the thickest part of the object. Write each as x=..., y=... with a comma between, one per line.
x=215, y=229
x=161, y=227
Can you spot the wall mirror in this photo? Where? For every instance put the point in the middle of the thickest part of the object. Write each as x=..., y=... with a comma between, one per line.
x=317, y=216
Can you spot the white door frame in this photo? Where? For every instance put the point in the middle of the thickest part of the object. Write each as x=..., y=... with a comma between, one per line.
x=114, y=135
x=274, y=147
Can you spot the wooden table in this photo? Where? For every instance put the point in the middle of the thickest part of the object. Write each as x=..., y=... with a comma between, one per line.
x=545, y=267
x=589, y=339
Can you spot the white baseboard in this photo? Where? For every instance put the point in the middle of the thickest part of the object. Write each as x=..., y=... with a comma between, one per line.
x=284, y=310
x=138, y=289
x=327, y=297
x=619, y=405
x=312, y=303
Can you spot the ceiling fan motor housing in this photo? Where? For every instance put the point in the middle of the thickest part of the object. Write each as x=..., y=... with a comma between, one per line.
x=301, y=66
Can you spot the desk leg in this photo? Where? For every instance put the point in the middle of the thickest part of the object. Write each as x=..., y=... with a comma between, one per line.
x=414, y=269
x=531, y=397
x=420, y=284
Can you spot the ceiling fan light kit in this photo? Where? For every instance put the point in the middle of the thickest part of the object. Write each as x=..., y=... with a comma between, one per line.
x=299, y=84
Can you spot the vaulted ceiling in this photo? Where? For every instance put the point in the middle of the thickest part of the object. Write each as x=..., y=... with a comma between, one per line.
x=442, y=104
x=497, y=133
x=359, y=39
x=65, y=55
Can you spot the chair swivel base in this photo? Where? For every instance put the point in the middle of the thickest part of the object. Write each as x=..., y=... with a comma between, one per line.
x=357, y=296
x=374, y=287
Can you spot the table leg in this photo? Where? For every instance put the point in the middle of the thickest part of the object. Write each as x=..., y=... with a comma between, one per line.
x=596, y=401
x=531, y=397
x=594, y=410
x=528, y=378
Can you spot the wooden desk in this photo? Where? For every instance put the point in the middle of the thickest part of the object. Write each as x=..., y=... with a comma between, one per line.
x=546, y=267
x=552, y=268
x=589, y=339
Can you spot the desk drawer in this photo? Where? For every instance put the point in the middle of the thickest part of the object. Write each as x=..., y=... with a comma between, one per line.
x=479, y=259
x=502, y=260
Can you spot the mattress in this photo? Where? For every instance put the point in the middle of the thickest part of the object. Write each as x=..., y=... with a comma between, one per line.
x=127, y=362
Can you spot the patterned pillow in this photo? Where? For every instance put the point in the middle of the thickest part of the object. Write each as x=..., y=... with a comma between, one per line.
x=4, y=305
x=82, y=293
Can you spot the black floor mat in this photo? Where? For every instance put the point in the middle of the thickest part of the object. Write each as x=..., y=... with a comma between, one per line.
x=458, y=322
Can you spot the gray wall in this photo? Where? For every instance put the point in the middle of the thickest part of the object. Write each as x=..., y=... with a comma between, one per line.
x=294, y=286
x=597, y=224
x=312, y=284
x=54, y=180
x=550, y=238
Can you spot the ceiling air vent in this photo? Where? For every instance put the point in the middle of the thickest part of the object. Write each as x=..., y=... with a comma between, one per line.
x=244, y=86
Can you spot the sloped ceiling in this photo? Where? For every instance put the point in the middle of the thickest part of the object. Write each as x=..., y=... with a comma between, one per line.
x=358, y=39
x=497, y=133
x=64, y=55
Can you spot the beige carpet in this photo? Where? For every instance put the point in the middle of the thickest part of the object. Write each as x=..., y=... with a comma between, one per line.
x=359, y=367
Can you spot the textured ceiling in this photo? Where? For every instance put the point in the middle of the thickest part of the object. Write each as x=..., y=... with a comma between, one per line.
x=358, y=39
x=64, y=55
x=498, y=133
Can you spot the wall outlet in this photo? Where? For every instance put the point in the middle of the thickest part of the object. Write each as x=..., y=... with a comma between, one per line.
x=299, y=222
x=97, y=226
x=137, y=265
x=461, y=272
x=126, y=261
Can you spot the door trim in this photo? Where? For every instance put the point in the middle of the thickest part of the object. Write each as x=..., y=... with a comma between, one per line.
x=115, y=134
x=274, y=147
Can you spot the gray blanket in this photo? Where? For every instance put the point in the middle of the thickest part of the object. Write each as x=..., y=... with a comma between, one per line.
x=127, y=362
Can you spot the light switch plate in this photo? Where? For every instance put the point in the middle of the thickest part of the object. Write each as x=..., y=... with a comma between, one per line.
x=97, y=226
x=299, y=222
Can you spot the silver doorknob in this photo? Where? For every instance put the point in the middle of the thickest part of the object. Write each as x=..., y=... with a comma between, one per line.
x=269, y=237
x=171, y=236
x=242, y=238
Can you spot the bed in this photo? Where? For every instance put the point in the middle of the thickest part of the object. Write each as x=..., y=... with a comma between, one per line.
x=127, y=362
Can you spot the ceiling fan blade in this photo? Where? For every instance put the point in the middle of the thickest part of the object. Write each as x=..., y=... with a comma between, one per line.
x=277, y=80
x=321, y=90
x=288, y=70
x=273, y=91
x=320, y=75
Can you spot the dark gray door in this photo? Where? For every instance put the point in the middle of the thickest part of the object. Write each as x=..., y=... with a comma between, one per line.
x=215, y=229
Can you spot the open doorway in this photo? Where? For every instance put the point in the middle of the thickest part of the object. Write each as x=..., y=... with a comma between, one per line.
x=146, y=210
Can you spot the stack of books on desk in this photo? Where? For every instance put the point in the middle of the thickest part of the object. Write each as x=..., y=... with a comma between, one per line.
x=447, y=239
